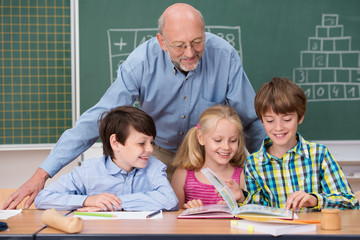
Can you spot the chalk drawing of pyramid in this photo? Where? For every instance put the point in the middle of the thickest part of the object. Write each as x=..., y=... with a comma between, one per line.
x=329, y=70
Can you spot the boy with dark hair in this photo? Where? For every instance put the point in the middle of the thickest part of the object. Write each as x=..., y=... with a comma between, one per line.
x=288, y=171
x=126, y=177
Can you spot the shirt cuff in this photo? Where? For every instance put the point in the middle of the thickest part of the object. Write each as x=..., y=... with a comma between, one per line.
x=320, y=200
x=247, y=198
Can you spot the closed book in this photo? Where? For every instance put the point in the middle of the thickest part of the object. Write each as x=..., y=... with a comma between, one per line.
x=272, y=228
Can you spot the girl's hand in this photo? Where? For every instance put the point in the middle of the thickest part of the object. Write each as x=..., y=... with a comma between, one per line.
x=104, y=201
x=300, y=199
x=236, y=190
x=193, y=203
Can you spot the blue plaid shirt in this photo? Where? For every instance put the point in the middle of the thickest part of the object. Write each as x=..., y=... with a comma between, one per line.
x=308, y=167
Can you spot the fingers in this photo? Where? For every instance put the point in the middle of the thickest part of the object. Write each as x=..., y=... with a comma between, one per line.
x=30, y=188
x=89, y=209
x=193, y=203
x=31, y=199
x=111, y=201
x=10, y=204
x=15, y=198
x=104, y=201
x=300, y=199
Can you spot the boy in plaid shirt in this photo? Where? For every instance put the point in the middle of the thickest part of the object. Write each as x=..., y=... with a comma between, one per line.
x=288, y=171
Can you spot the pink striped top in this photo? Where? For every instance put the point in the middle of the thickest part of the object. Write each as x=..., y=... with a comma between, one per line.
x=205, y=192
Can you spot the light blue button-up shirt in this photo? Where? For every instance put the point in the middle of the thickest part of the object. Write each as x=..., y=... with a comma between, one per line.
x=174, y=100
x=140, y=190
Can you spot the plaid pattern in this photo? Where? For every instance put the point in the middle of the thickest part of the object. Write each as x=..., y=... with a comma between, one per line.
x=308, y=167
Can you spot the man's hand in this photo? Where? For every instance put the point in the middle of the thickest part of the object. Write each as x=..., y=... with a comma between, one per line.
x=104, y=201
x=300, y=199
x=30, y=188
x=193, y=203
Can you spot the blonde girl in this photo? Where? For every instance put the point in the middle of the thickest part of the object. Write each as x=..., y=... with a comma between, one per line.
x=217, y=142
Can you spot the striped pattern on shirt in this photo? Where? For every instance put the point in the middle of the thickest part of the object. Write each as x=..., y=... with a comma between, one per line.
x=194, y=189
x=308, y=167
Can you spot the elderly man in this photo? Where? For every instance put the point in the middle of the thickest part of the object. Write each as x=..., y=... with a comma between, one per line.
x=175, y=76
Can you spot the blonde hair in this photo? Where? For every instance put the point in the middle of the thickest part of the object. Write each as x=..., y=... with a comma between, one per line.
x=191, y=155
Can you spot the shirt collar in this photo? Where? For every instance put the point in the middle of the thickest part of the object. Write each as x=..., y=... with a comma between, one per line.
x=114, y=169
x=300, y=148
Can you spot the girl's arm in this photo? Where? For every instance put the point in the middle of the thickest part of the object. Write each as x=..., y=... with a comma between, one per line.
x=178, y=184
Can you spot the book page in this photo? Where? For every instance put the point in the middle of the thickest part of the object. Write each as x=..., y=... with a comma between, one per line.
x=211, y=208
x=260, y=211
x=222, y=188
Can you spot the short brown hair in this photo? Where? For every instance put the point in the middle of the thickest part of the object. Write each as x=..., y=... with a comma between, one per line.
x=282, y=96
x=118, y=122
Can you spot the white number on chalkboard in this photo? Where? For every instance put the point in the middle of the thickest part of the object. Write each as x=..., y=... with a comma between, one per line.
x=319, y=61
x=335, y=91
x=230, y=38
x=351, y=92
x=145, y=38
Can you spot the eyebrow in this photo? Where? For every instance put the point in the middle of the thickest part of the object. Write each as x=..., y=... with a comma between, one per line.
x=285, y=115
x=182, y=42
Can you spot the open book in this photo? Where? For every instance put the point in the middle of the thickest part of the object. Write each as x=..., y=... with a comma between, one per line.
x=231, y=209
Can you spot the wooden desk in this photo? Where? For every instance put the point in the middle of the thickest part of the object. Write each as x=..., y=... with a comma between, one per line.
x=175, y=229
x=28, y=223
x=23, y=225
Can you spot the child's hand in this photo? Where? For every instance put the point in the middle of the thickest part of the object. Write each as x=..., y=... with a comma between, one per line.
x=300, y=199
x=236, y=190
x=89, y=209
x=104, y=201
x=193, y=203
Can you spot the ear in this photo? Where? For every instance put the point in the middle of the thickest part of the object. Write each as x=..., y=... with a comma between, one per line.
x=200, y=137
x=302, y=119
x=114, y=143
x=161, y=41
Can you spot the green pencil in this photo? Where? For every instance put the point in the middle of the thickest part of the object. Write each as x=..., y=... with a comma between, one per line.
x=94, y=214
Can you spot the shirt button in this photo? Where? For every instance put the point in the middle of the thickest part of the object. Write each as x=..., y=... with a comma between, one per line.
x=185, y=98
x=186, y=79
x=183, y=116
x=181, y=133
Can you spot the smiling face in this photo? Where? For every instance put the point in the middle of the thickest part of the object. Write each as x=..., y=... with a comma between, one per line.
x=134, y=153
x=221, y=143
x=281, y=129
x=183, y=26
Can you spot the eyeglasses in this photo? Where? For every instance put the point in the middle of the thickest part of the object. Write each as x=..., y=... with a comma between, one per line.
x=180, y=47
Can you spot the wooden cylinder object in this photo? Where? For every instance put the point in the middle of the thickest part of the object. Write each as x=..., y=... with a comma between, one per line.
x=330, y=219
x=54, y=219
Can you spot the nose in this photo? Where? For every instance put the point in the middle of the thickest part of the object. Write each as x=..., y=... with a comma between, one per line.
x=279, y=125
x=149, y=148
x=189, y=51
x=225, y=145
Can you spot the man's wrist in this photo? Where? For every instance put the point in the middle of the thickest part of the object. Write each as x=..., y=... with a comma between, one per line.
x=42, y=174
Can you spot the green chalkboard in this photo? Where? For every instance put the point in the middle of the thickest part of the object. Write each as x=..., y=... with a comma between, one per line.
x=35, y=71
x=315, y=43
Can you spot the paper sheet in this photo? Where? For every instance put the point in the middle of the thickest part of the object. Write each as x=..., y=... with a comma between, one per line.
x=5, y=214
x=123, y=215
